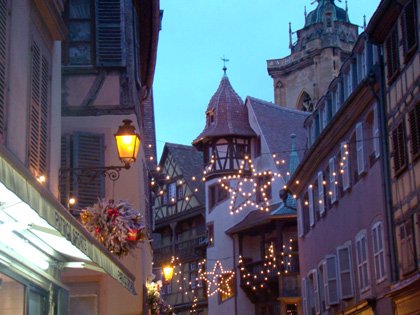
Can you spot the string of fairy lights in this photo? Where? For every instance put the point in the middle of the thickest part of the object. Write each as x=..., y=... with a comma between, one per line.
x=244, y=186
x=219, y=279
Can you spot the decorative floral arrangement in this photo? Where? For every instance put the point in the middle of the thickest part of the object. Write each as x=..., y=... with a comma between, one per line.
x=116, y=225
x=155, y=302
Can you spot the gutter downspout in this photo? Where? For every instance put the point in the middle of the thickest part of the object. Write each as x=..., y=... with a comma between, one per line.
x=378, y=75
x=236, y=280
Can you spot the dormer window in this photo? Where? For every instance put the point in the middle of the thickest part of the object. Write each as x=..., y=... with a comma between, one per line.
x=210, y=118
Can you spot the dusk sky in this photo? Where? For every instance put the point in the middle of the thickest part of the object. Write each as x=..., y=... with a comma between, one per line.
x=197, y=33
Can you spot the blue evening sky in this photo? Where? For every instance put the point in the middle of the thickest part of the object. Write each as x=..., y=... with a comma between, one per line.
x=197, y=33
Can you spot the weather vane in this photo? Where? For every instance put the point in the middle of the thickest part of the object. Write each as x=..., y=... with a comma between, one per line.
x=224, y=63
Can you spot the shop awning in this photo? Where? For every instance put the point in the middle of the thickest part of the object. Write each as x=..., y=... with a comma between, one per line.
x=25, y=204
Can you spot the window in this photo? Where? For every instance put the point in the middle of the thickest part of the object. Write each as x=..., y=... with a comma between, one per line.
x=81, y=150
x=398, y=148
x=80, y=39
x=409, y=29
x=172, y=191
x=39, y=111
x=360, y=151
x=324, y=114
x=217, y=194
x=392, y=52
x=193, y=275
x=345, y=167
x=321, y=193
x=179, y=192
x=95, y=28
x=4, y=14
x=313, y=292
x=333, y=174
x=406, y=247
x=349, y=82
x=330, y=280
x=257, y=147
x=345, y=271
x=378, y=251
x=375, y=131
x=362, y=262
x=414, y=120
x=210, y=234
x=210, y=117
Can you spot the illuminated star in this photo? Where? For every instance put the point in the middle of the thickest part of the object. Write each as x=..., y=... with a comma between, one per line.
x=217, y=279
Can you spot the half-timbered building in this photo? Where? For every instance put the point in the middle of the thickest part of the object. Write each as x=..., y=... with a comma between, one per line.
x=180, y=235
x=395, y=28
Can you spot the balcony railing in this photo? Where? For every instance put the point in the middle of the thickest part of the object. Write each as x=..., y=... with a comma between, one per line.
x=182, y=249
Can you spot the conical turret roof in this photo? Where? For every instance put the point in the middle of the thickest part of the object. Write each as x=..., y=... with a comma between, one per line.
x=228, y=112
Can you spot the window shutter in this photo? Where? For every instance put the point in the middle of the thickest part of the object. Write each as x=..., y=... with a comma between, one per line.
x=392, y=53
x=362, y=263
x=333, y=186
x=414, y=120
x=3, y=63
x=311, y=205
x=305, y=297
x=321, y=193
x=38, y=126
x=109, y=33
x=378, y=251
x=409, y=26
x=345, y=176
x=375, y=131
x=331, y=291
x=299, y=218
x=345, y=271
x=65, y=177
x=361, y=164
x=325, y=283
x=316, y=291
x=406, y=253
x=88, y=152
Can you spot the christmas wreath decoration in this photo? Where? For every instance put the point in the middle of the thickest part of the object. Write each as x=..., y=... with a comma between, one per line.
x=116, y=225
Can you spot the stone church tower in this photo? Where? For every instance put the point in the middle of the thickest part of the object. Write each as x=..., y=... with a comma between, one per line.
x=316, y=57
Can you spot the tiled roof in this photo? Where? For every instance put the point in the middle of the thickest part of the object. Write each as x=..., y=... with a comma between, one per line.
x=190, y=162
x=277, y=124
x=230, y=114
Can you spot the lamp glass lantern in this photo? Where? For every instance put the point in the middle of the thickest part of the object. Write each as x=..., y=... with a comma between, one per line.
x=128, y=143
x=168, y=272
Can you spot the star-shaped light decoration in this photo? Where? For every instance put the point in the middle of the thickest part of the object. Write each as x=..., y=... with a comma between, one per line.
x=218, y=280
x=247, y=187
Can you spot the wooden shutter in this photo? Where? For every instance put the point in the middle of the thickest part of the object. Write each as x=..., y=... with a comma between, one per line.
x=331, y=292
x=361, y=164
x=3, y=63
x=109, y=33
x=375, y=131
x=316, y=291
x=88, y=152
x=345, y=176
x=414, y=120
x=406, y=248
x=398, y=147
x=392, y=53
x=409, y=26
x=378, y=251
x=300, y=218
x=305, y=297
x=39, y=124
x=311, y=205
x=333, y=186
x=321, y=193
x=345, y=271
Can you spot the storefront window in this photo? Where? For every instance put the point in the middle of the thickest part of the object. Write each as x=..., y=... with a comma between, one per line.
x=12, y=296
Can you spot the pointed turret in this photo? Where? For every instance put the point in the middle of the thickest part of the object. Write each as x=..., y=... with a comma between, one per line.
x=226, y=136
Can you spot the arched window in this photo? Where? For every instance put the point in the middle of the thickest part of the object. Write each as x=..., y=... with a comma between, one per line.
x=280, y=93
x=305, y=102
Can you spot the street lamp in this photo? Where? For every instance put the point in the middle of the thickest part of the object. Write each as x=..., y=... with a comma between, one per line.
x=168, y=272
x=128, y=144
